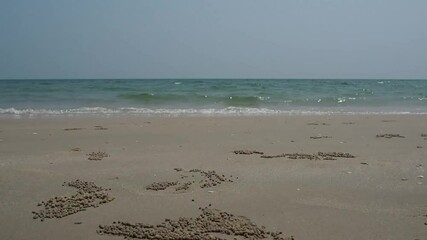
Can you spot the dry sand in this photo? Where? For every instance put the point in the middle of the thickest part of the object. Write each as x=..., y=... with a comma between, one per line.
x=308, y=192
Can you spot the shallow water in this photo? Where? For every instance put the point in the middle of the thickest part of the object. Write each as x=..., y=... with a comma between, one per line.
x=212, y=96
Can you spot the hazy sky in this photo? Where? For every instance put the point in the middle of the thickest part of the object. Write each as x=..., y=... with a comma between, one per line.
x=213, y=39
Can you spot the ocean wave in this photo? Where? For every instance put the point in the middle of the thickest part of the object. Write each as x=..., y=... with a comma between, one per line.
x=216, y=96
x=195, y=98
x=228, y=111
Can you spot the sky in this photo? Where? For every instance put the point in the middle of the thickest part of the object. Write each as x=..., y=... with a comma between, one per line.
x=60, y=39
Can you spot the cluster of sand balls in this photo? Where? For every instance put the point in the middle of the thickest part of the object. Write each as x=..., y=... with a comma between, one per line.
x=183, y=186
x=211, y=224
x=389, y=135
x=204, y=179
x=294, y=156
x=100, y=128
x=315, y=156
x=211, y=179
x=247, y=152
x=320, y=137
x=334, y=155
x=157, y=186
x=72, y=129
x=97, y=156
x=88, y=195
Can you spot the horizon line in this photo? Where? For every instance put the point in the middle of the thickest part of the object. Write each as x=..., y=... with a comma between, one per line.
x=387, y=79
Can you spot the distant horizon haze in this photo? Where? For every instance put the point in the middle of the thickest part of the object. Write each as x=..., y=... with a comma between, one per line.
x=201, y=39
x=183, y=79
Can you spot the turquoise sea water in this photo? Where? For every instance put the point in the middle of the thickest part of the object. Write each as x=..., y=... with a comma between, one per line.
x=212, y=97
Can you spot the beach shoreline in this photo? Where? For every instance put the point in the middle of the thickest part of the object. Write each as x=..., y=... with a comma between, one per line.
x=378, y=193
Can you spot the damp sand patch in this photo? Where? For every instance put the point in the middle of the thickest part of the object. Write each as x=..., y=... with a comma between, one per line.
x=209, y=225
x=88, y=195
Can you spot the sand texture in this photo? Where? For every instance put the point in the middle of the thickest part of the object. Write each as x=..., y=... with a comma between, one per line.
x=287, y=177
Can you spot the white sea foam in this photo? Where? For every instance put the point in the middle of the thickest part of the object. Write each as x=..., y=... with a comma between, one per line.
x=229, y=111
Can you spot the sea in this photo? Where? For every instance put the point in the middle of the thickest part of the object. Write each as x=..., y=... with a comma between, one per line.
x=210, y=97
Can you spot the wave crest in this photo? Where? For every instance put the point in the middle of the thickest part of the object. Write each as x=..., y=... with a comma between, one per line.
x=228, y=111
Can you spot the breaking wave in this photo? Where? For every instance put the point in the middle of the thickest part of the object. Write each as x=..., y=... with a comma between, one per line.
x=228, y=111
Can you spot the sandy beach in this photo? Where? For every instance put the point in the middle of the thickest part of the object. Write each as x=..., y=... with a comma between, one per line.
x=310, y=177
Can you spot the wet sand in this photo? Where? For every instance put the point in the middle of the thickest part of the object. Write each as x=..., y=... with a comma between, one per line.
x=310, y=177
